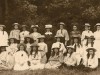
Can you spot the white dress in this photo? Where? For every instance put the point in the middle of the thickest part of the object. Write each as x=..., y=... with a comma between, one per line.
x=70, y=60
x=85, y=33
x=3, y=38
x=35, y=62
x=23, y=34
x=21, y=61
x=97, y=42
x=35, y=36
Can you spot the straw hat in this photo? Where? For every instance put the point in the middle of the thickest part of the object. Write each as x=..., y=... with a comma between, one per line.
x=34, y=26
x=55, y=45
x=61, y=23
x=41, y=36
x=91, y=48
x=16, y=24
x=48, y=26
x=1, y=25
x=87, y=24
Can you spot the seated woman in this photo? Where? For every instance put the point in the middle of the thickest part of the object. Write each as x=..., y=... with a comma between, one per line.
x=55, y=60
x=35, y=58
x=6, y=59
x=70, y=57
x=21, y=58
x=90, y=60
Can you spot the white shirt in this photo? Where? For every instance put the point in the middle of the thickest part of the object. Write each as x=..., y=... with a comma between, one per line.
x=23, y=34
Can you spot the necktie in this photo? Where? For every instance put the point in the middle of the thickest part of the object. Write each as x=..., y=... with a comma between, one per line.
x=61, y=31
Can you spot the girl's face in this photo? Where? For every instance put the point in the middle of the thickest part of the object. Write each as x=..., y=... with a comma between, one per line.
x=75, y=40
x=48, y=29
x=87, y=28
x=74, y=28
x=89, y=40
x=3, y=49
x=28, y=39
x=56, y=50
x=16, y=27
x=24, y=28
x=41, y=39
x=34, y=48
x=61, y=26
x=58, y=39
x=70, y=50
x=11, y=40
x=1, y=28
x=35, y=29
x=91, y=52
x=21, y=48
x=98, y=27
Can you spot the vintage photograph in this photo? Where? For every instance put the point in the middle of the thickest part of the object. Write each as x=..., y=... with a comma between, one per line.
x=49, y=37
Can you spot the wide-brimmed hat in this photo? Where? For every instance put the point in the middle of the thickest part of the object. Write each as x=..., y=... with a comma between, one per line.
x=12, y=38
x=91, y=48
x=55, y=45
x=16, y=24
x=98, y=24
x=1, y=25
x=48, y=26
x=87, y=24
x=21, y=44
x=72, y=47
x=34, y=26
x=61, y=23
x=59, y=36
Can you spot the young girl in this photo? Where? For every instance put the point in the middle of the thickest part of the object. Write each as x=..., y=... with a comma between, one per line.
x=15, y=32
x=70, y=57
x=43, y=48
x=75, y=33
x=48, y=38
x=55, y=61
x=97, y=39
x=21, y=58
x=35, y=58
x=23, y=33
x=28, y=41
x=35, y=34
x=3, y=36
x=90, y=60
x=86, y=33
x=6, y=59
x=12, y=45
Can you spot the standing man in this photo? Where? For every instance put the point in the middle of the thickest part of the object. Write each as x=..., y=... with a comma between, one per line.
x=63, y=32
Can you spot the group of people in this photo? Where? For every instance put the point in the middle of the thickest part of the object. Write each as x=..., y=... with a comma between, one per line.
x=25, y=50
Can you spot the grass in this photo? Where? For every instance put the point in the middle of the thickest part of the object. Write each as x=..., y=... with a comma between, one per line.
x=51, y=72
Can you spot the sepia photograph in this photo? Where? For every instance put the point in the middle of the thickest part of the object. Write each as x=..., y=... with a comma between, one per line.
x=49, y=37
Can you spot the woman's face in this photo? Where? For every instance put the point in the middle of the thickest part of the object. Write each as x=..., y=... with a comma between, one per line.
x=70, y=50
x=24, y=28
x=28, y=39
x=56, y=50
x=61, y=26
x=48, y=29
x=87, y=27
x=22, y=48
x=91, y=52
x=41, y=39
x=3, y=49
x=34, y=29
x=89, y=40
x=98, y=27
x=75, y=40
x=74, y=28
x=1, y=28
x=58, y=39
x=34, y=48
x=16, y=27
x=11, y=40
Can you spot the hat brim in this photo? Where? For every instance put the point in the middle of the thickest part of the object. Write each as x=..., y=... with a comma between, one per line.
x=91, y=49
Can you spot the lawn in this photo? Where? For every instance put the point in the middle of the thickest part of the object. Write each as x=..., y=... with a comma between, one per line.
x=51, y=72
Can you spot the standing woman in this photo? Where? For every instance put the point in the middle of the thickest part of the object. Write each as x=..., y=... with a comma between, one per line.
x=75, y=33
x=23, y=33
x=43, y=48
x=90, y=61
x=15, y=32
x=86, y=33
x=97, y=39
x=62, y=31
x=48, y=38
x=3, y=36
x=21, y=58
x=35, y=34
